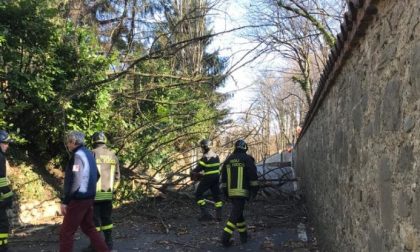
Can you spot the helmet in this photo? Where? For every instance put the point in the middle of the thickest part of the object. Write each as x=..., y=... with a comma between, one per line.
x=205, y=144
x=4, y=137
x=241, y=145
x=99, y=137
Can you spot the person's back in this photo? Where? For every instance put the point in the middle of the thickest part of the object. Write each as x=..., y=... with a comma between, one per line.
x=239, y=183
x=79, y=192
x=5, y=191
x=81, y=175
x=109, y=171
x=208, y=165
x=241, y=169
x=107, y=163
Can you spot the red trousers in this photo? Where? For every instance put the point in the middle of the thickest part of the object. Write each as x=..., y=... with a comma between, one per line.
x=80, y=213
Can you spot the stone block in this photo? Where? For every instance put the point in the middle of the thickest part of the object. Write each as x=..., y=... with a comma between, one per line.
x=409, y=123
x=391, y=106
x=377, y=121
x=357, y=117
x=387, y=55
x=414, y=93
x=408, y=237
x=375, y=242
x=404, y=204
x=406, y=158
x=385, y=194
x=416, y=209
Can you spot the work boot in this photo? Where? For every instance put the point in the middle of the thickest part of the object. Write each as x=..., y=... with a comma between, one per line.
x=243, y=236
x=108, y=238
x=218, y=213
x=226, y=239
x=205, y=215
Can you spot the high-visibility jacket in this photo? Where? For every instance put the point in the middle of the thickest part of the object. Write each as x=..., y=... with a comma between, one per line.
x=239, y=175
x=209, y=163
x=109, y=169
x=5, y=191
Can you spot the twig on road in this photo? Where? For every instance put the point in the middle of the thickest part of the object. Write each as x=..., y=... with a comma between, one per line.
x=178, y=243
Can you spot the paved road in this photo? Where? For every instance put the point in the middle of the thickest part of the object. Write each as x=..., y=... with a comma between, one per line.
x=272, y=227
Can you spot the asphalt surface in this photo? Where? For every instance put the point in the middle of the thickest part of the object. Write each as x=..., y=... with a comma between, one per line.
x=172, y=225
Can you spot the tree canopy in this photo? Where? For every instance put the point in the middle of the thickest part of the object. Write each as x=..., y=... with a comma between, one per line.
x=138, y=70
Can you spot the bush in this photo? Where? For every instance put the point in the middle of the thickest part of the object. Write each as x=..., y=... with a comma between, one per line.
x=28, y=185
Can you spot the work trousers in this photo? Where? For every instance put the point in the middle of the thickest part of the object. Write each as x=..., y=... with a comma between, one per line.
x=209, y=182
x=236, y=219
x=102, y=215
x=80, y=213
x=4, y=229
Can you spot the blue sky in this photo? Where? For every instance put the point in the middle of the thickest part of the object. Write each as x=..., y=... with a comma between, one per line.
x=228, y=16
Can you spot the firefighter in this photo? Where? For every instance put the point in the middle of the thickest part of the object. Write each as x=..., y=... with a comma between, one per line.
x=108, y=167
x=5, y=192
x=239, y=183
x=209, y=164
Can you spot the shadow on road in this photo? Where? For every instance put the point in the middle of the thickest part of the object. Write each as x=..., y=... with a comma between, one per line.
x=171, y=225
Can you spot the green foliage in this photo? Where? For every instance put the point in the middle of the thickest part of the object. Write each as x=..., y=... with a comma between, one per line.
x=127, y=191
x=52, y=73
x=45, y=65
x=28, y=185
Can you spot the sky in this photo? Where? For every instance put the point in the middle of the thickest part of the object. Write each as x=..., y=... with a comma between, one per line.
x=230, y=15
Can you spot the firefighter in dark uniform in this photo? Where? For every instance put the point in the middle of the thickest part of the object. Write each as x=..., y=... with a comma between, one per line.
x=5, y=192
x=108, y=167
x=239, y=183
x=209, y=165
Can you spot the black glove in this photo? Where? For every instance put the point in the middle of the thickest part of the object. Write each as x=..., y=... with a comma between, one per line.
x=192, y=176
x=6, y=203
x=195, y=176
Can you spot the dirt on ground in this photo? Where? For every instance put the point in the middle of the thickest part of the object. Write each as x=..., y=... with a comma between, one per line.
x=171, y=224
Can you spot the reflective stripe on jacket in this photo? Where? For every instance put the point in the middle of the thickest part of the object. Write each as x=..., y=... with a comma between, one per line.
x=5, y=191
x=108, y=167
x=239, y=174
x=209, y=163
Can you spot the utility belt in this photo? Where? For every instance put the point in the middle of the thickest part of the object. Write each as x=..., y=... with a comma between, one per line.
x=103, y=195
x=238, y=192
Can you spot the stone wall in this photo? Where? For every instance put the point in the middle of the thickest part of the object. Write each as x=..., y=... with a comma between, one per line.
x=359, y=153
